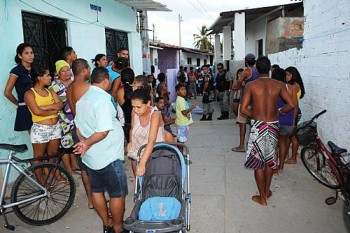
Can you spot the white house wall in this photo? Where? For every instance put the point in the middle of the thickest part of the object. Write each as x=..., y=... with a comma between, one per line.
x=324, y=64
x=85, y=35
x=194, y=58
x=255, y=31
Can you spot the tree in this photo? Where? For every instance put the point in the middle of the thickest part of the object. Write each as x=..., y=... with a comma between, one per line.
x=201, y=40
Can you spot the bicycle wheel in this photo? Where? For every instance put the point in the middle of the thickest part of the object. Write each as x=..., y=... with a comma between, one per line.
x=61, y=193
x=317, y=164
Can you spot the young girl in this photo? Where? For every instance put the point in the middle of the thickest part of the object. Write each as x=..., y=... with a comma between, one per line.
x=44, y=105
x=147, y=127
x=236, y=93
x=20, y=79
x=124, y=98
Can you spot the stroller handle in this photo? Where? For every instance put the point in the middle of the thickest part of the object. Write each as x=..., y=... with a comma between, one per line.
x=177, y=144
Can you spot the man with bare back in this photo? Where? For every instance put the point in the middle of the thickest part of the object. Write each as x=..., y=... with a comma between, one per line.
x=79, y=86
x=77, y=89
x=263, y=95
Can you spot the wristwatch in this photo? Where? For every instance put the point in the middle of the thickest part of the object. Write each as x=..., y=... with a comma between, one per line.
x=280, y=112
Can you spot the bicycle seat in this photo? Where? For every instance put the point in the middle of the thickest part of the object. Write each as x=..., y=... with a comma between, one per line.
x=17, y=148
x=336, y=150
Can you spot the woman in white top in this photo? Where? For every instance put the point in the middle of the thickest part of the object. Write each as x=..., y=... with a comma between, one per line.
x=147, y=127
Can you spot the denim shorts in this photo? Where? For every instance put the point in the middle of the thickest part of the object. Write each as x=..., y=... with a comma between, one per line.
x=285, y=129
x=111, y=178
x=44, y=133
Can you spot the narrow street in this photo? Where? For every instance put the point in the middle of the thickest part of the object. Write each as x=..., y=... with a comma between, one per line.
x=221, y=194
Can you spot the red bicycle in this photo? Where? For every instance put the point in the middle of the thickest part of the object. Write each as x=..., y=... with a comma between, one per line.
x=330, y=167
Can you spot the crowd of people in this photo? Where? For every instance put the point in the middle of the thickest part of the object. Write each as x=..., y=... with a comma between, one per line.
x=109, y=112
x=263, y=96
x=96, y=117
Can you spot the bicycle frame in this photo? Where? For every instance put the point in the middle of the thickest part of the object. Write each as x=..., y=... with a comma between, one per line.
x=333, y=163
x=10, y=162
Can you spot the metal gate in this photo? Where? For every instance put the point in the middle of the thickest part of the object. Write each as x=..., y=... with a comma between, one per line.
x=47, y=35
x=115, y=40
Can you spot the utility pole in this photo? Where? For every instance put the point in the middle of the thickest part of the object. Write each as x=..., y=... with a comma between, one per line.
x=180, y=20
x=153, y=28
x=180, y=51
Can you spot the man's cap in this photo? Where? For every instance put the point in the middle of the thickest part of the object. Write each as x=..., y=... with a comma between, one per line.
x=60, y=64
x=250, y=57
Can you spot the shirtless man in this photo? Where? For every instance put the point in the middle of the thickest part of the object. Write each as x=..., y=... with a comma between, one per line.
x=77, y=89
x=263, y=138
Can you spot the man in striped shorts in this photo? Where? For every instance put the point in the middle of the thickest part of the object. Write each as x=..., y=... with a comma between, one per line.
x=263, y=93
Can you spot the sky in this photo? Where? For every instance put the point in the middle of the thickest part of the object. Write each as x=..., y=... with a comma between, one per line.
x=195, y=13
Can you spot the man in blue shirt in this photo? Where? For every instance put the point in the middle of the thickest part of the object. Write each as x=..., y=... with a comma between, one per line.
x=102, y=149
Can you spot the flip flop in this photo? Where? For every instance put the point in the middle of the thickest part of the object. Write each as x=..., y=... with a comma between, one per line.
x=237, y=149
x=290, y=161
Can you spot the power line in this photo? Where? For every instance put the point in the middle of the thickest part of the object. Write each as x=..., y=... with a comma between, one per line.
x=86, y=22
x=66, y=12
x=195, y=7
x=202, y=6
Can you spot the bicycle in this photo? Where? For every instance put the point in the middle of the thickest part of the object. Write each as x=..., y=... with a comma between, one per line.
x=330, y=167
x=36, y=201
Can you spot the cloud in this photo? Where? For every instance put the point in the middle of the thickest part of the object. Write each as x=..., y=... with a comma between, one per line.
x=196, y=13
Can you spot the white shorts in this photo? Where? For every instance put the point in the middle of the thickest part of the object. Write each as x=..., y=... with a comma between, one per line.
x=45, y=133
x=240, y=117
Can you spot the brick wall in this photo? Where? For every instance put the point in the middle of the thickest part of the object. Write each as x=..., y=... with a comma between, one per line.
x=284, y=33
x=324, y=64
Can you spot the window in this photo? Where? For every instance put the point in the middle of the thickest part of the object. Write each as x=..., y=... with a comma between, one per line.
x=114, y=41
x=47, y=35
x=198, y=62
x=189, y=61
x=205, y=61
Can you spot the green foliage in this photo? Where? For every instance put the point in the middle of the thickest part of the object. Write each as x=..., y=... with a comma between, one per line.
x=201, y=40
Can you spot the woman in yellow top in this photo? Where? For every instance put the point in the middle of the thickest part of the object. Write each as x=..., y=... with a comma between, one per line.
x=44, y=105
x=293, y=77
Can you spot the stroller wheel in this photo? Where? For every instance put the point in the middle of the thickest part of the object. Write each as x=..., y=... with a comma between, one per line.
x=177, y=222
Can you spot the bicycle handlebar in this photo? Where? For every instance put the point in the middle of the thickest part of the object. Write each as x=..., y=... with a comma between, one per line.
x=318, y=114
x=313, y=118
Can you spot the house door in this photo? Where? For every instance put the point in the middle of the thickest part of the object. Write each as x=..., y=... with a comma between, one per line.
x=114, y=41
x=260, y=46
x=47, y=35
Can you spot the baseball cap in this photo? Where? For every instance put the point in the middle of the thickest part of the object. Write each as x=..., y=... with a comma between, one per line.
x=250, y=57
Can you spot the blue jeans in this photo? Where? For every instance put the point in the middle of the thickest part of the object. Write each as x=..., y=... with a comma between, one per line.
x=111, y=178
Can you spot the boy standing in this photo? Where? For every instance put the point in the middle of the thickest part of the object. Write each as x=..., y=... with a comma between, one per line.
x=183, y=113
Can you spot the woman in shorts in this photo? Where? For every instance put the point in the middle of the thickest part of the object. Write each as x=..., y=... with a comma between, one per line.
x=286, y=120
x=44, y=105
x=293, y=77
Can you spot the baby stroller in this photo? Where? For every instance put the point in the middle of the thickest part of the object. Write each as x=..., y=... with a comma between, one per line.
x=162, y=203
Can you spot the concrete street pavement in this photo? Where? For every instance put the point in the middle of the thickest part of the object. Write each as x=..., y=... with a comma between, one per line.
x=221, y=194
